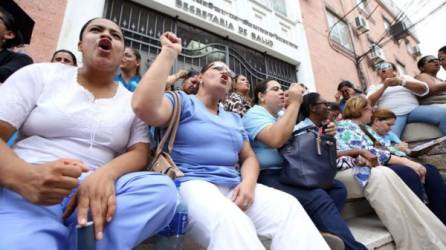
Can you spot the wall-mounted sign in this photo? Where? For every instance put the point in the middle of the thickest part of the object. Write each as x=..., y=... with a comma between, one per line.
x=213, y=14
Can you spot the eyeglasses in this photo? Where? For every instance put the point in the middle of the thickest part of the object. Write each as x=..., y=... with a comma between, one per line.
x=221, y=67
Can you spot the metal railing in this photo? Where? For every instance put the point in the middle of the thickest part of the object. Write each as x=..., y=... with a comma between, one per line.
x=142, y=28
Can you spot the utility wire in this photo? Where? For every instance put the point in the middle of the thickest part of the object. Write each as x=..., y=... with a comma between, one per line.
x=431, y=13
x=404, y=12
x=342, y=19
x=389, y=38
x=344, y=16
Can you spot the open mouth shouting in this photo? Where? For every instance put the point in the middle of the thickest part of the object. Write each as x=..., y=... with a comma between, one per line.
x=225, y=78
x=105, y=45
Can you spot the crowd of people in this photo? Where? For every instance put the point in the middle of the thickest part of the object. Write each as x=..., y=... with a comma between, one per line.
x=82, y=148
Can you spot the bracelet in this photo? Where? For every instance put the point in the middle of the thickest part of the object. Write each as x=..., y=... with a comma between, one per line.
x=403, y=82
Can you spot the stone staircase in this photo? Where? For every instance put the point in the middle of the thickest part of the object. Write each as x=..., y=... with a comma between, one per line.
x=371, y=232
x=360, y=217
x=364, y=224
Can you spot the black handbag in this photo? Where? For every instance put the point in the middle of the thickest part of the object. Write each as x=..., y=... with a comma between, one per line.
x=310, y=159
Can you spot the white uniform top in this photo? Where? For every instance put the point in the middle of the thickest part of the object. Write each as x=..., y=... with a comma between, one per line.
x=398, y=99
x=58, y=118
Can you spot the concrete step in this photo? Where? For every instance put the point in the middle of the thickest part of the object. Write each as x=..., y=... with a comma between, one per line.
x=370, y=231
x=367, y=229
x=356, y=207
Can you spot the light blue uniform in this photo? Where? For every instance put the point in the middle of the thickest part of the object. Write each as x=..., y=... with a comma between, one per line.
x=254, y=121
x=57, y=118
x=207, y=145
x=145, y=204
x=12, y=139
x=391, y=138
x=131, y=84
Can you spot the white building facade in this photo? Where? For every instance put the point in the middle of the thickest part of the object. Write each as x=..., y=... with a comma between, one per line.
x=257, y=38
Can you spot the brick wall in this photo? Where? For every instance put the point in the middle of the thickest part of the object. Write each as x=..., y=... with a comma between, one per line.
x=48, y=16
x=331, y=66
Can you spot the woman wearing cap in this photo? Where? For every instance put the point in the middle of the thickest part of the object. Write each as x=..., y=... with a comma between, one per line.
x=429, y=67
x=399, y=95
x=227, y=209
x=239, y=101
x=80, y=146
x=11, y=36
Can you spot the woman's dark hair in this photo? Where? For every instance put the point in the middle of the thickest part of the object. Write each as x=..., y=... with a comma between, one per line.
x=138, y=58
x=261, y=88
x=423, y=60
x=308, y=101
x=234, y=81
x=85, y=26
x=73, y=57
x=88, y=22
x=334, y=106
x=191, y=73
x=347, y=83
x=442, y=49
x=11, y=25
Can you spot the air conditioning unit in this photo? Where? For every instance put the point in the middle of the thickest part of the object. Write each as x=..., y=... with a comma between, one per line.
x=361, y=24
x=376, y=54
x=398, y=30
x=416, y=50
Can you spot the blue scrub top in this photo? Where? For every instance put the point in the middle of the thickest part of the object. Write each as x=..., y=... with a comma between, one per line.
x=131, y=84
x=254, y=121
x=207, y=146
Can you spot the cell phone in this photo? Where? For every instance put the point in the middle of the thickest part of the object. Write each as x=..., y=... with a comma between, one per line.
x=325, y=126
x=85, y=237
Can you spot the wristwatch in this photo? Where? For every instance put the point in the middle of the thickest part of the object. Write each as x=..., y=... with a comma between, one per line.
x=403, y=82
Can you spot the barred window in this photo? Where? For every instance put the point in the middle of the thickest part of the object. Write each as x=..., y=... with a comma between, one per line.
x=363, y=5
x=280, y=6
x=339, y=32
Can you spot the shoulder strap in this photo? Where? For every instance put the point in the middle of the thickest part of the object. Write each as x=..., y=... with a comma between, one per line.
x=171, y=130
x=176, y=122
x=305, y=129
x=376, y=143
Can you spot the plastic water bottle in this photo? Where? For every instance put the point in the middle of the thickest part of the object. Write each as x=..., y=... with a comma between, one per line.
x=171, y=237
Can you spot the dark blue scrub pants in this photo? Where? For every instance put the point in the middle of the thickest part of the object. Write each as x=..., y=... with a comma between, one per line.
x=323, y=206
x=434, y=186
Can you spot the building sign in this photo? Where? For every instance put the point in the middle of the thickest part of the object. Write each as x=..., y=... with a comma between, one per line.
x=209, y=12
